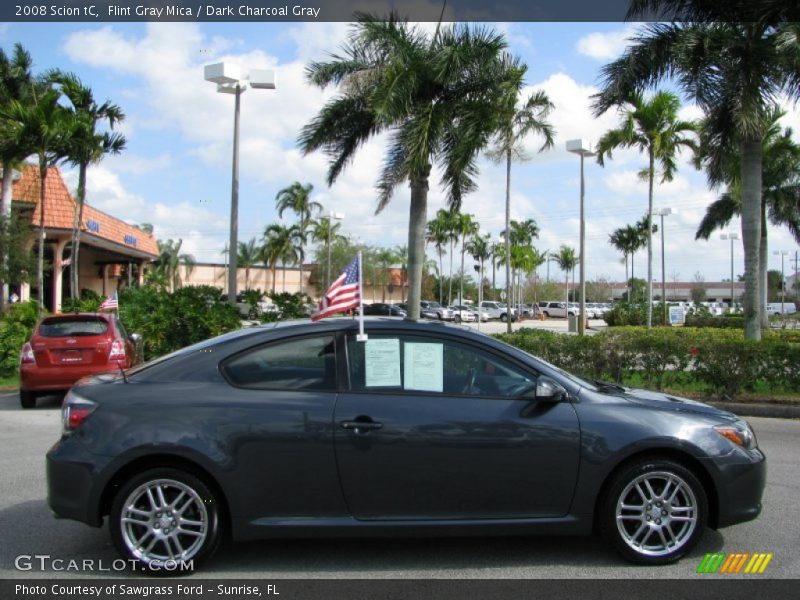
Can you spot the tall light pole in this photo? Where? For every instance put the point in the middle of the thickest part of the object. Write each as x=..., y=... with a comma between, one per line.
x=331, y=216
x=583, y=149
x=730, y=236
x=663, y=212
x=231, y=80
x=783, y=253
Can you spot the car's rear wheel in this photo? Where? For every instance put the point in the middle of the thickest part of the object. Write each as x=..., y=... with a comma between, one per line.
x=654, y=512
x=503, y=317
x=27, y=399
x=163, y=518
x=457, y=318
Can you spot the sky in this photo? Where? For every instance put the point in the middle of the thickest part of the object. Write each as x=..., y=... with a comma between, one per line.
x=176, y=170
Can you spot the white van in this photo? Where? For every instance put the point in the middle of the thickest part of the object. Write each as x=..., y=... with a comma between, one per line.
x=778, y=308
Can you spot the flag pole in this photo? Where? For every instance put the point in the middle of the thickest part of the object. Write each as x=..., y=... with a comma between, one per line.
x=361, y=337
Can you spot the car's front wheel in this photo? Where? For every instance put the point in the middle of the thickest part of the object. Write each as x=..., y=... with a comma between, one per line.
x=164, y=519
x=654, y=512
x=503, y=317
x=27, y=399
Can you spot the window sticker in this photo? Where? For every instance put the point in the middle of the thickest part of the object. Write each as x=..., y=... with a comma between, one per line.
x=424, y=366
x=382, y=363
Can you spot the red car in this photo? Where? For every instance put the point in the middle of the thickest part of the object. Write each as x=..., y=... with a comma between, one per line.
x=66, y=347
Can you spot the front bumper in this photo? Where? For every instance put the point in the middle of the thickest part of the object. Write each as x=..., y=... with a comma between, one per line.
x=740, y=487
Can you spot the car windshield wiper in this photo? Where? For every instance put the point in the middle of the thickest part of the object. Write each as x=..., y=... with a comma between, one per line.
x=607, y=385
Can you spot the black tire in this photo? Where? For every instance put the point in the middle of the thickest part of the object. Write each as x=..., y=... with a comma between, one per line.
x=546, y=314
x=27, y=399
x=504, y=317
x=457, y=319
x=202, y=507
x=252, y=314
x=683, y=499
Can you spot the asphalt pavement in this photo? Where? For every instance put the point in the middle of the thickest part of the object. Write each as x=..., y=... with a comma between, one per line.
x=27, y=528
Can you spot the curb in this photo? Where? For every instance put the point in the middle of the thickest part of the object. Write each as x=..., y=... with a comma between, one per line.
x=748, y=409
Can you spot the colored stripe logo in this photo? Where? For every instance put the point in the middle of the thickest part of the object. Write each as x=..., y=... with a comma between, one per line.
x=735, y=563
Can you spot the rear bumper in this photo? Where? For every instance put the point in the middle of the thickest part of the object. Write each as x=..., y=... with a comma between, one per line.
x=33, y=378
x=72, y=483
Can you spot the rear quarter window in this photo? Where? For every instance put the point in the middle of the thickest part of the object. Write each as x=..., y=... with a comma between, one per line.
x=73, y=327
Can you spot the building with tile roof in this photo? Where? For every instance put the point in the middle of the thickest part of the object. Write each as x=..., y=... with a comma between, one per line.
x=112, y=252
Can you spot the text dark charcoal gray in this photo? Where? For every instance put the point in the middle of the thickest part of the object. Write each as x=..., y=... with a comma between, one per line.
x=104, y=11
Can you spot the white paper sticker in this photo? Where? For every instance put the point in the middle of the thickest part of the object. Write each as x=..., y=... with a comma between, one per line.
x=382, y=362
x=424, y=367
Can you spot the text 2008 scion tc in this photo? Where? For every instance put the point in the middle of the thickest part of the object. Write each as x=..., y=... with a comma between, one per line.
x=300, y=430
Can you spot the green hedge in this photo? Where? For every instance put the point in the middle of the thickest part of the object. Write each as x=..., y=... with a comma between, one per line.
x=16, y=328
x=719, y=360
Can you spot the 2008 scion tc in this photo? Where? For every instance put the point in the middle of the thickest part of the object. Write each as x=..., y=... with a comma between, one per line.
x=298, y=429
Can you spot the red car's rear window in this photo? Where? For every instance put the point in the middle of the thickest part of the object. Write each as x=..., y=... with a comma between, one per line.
x=73, y=327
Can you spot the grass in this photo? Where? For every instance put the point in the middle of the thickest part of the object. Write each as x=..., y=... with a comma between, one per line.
x=8, y=383
x=761, y=391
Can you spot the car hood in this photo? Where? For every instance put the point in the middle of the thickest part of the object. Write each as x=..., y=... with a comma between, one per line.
x=669, y=402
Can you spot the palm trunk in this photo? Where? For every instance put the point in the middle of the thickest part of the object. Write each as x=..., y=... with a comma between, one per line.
x=566, y=291
x=751, y=234
x=627, y=280
x=632, y=280
x=274, y=273
x=284, y=278
x=5, y=217
x=441, y=276
x=40, y=261
x=508, y=241
x=302, y=238
x=763, y=253
x=461, y=283
x=416, y=240
x=74, y=270
x=650, y=240
x=450, y=282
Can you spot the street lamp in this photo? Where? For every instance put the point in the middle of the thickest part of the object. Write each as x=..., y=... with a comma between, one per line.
x=583, y=149
x=230, y=79
x=331, y=216
x=730, y=236
x=783, y=280
x=663, y=212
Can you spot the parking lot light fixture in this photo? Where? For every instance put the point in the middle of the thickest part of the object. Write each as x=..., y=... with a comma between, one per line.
x=230, y=79
x=783, y=254
x=583, y=149
x=732, y=235
x=663, y=212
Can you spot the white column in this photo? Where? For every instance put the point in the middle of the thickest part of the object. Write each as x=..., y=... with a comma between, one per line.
x=58, y=255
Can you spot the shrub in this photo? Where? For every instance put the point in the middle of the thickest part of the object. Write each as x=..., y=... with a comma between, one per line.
x=16, y=328
x=292, y=306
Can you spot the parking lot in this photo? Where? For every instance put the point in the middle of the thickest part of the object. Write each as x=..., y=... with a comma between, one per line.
x=27, y=528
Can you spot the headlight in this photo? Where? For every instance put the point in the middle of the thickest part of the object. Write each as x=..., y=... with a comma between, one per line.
x=740, y=433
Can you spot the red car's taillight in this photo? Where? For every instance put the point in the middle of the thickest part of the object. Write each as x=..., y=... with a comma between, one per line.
x=74, y=411
x=27, y=354
x=117, y=351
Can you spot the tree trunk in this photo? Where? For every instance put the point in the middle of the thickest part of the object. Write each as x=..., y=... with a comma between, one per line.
x=274, y=269
x=74, y=270
x=302, y=239
x=632, y=280
x=751, y=234
x=5, y=216
x=40, y=261
x=461, y=282
x=441, y=283
x=763, y=253
x=650, y=240
x=627, y=280
x=417, y=220
x=450, y=281
x=284, y=277
x=508, y=241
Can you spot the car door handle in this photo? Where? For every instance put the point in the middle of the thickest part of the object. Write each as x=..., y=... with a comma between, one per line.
x=361, y=426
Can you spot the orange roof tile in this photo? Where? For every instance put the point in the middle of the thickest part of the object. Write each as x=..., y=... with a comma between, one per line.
x=60, y=210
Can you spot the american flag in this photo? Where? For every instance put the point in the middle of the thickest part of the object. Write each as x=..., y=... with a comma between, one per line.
x=343, y=294
x=110, y=303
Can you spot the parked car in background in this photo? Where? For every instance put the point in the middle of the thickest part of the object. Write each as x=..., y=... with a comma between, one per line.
x=527, y=310
x=444, y=431
x=383, y=309
x=557, y=309
x=464, y=314
x=263, y=306
x=64, y=348
x=480, y=313
x=778, y=308
x=437, y=310
x=498, y=310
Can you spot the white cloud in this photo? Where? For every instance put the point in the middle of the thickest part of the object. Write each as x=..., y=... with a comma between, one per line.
x=606, y=45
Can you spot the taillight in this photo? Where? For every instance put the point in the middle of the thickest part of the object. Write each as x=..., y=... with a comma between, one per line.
x=27, y=354
x=74, y=412
x=117, y=351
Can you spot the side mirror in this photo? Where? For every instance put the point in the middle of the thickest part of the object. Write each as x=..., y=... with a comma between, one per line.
x=548, y=390
x=136, y=338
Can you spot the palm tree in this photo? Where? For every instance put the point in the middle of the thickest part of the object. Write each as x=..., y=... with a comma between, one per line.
x=626, y=240
x=384, y=258
x=16, y=83
x=516, y=123
x=297, y=198
x=249, y=255
x=479, y=248
x=436, y=96
x=86, y=147
x=325, y=231
x=780, y=196
x=732, y=60
x=170, y=261
x=402, y=255
x=521, y=238
x=45, y=128
x=652, y=126
x=566, y=260
x=464, y=227
x=280, y=246
x=437, y=234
